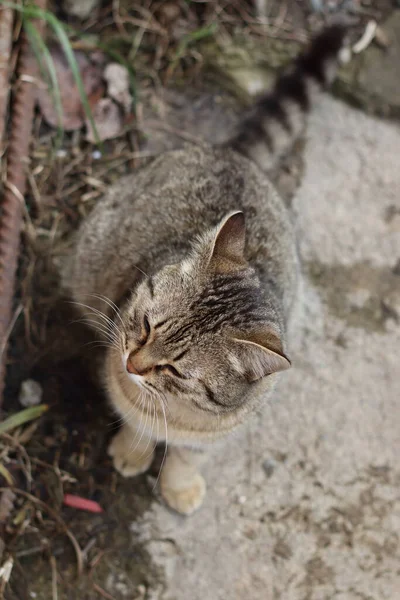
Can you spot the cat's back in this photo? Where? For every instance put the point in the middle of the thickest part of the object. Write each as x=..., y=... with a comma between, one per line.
x=150, y=218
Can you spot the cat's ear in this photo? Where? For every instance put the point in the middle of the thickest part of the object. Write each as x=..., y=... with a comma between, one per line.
x=227, y=252
x=260, y=354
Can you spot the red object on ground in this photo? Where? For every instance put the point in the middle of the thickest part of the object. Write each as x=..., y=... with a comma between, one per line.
x=82, y=503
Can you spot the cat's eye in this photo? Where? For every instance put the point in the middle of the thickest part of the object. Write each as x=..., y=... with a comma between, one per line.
x=171, y=370
x=147, y=329
x=146, y=325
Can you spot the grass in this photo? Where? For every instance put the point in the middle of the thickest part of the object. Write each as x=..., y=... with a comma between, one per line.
x=30, y=13
x=22, y=417
x=188, y=40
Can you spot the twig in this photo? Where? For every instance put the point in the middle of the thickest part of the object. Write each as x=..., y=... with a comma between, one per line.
x=54, y=515
x=54, y=589
x=28, y=467
x=31, y=551
x=3, y=344
x=366, y=37
x=5, y=574
x=102, y=592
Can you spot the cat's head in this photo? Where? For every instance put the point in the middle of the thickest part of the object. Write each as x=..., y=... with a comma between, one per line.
x=199, y=330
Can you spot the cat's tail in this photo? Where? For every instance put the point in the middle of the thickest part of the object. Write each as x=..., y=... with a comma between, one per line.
x=270, y=128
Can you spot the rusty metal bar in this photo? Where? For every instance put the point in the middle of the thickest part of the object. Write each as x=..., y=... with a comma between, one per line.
x=11, y=206
x=6, y=27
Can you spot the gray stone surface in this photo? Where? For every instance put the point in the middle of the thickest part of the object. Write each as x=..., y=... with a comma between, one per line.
x=372, y=80
x=304, y=502
x=380, y=74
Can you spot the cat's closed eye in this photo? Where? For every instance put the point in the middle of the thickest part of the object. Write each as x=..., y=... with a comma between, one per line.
x=170, y=369
x=146, y=330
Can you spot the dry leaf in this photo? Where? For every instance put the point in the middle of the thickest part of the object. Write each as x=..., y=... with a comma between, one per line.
x=108, y=120
x=73, y=114
x=6, y=504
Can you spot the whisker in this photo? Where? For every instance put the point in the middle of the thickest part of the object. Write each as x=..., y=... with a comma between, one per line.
x=111, y=304
x=123, y=418
x=166, y=443
x=100, y=327
x=153, y=412
x=140, y=270
x=100, y=314
x=132, y=450
x=98, y=344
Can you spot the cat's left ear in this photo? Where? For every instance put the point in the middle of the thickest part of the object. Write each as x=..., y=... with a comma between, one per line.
x=227, y=251
x=260, y=354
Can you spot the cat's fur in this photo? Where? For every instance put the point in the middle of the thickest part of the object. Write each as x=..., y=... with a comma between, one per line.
x=203, y=295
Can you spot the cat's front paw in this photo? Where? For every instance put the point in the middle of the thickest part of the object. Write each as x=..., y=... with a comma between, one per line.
x=127, y=459
x=186, y=500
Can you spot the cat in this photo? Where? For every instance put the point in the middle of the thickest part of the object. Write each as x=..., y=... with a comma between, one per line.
x=188, y=267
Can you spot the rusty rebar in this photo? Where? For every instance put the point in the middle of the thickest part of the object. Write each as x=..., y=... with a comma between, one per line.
x=6, y=27
x=12, y=203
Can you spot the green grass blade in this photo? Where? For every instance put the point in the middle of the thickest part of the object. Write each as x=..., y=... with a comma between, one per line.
x=34, y=12
x=190, y=38
x=42, y=52
x=22, y=417
x=31, y=11
x=70, y=56
x=6, y=474
x=196, y=36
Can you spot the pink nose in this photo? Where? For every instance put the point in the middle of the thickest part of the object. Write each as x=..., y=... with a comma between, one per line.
x=135, y=366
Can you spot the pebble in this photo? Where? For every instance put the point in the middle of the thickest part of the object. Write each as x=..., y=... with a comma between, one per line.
x=30, y=393
x=269, y=467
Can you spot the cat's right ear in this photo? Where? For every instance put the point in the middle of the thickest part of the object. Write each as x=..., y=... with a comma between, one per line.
x=260, y=354
x=227, y=252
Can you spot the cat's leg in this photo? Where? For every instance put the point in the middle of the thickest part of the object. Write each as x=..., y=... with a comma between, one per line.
x=132, y=451
x=182, y=486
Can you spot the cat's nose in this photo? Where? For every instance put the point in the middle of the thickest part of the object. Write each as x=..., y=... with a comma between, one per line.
x=136, y=365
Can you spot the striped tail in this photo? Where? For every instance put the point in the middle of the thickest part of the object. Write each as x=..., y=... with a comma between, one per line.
x=268, y=132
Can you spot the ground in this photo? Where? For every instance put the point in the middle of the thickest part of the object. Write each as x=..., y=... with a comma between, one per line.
x=303, y=503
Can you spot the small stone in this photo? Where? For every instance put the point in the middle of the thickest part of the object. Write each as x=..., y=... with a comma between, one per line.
x=140, y=592
x=30, y=393
x=117, y=78
x=96, y=155
x=81, y=9
x=269, y=467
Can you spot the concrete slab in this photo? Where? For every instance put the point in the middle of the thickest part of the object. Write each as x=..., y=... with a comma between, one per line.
x=372, y=79
x=304, y=501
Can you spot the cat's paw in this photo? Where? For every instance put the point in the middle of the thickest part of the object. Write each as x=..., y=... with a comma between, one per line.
x=127, y=459
x=186, y=500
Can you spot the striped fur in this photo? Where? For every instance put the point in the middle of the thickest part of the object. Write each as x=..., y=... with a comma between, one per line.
x=268, y=131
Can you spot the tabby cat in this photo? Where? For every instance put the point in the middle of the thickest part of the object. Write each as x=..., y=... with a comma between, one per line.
x=188, y=267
